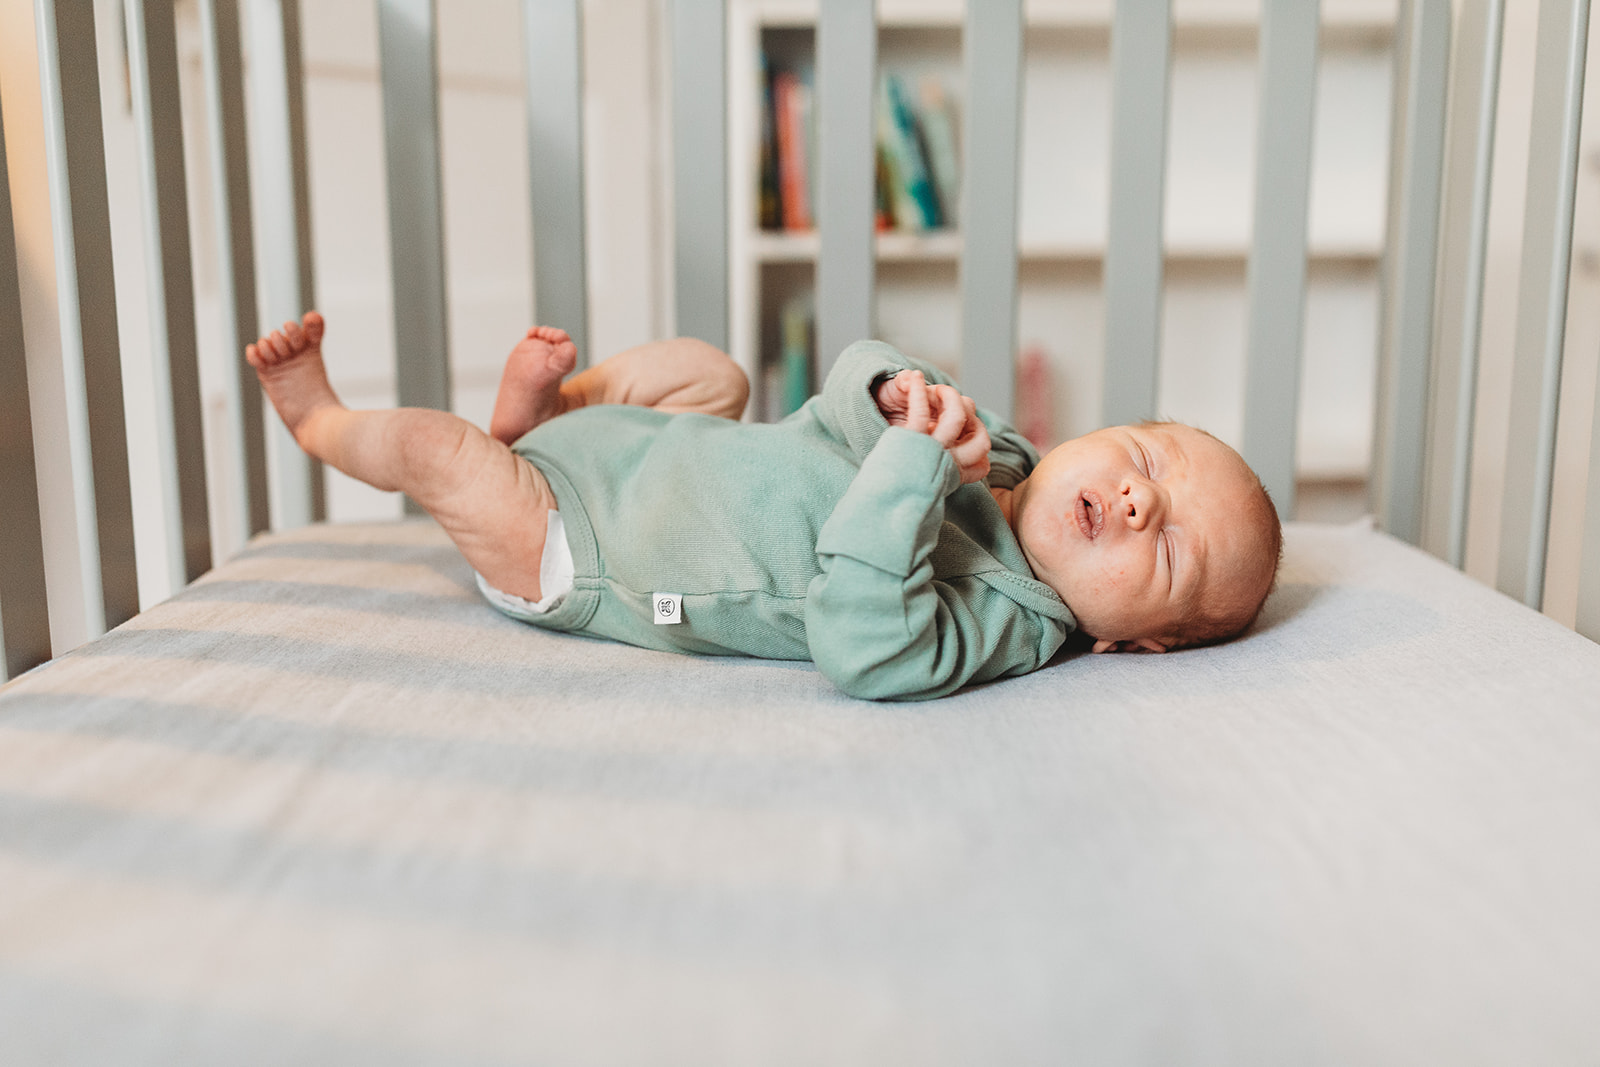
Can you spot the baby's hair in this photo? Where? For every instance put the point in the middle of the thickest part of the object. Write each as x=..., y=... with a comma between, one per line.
x=1210, y=628
x=1202, y=627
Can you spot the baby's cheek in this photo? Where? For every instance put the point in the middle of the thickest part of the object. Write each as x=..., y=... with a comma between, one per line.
x=1107, y=585
x=1111, y=575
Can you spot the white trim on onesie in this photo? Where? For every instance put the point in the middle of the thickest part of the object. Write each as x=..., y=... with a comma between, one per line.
x=555, y=574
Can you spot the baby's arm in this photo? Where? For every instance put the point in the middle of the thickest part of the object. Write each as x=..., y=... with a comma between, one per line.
x=878, y=623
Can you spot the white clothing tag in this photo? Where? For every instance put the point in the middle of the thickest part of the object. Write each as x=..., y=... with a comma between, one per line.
x=668, y=608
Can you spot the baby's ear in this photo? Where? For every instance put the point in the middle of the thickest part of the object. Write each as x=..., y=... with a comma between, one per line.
x=1143, y=644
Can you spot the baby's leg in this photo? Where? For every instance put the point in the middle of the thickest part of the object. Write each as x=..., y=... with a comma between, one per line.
x=684, y=374
x=679, y=375
x=490, y=501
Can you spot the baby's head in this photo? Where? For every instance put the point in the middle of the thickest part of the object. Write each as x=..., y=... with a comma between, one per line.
x=1157, y=535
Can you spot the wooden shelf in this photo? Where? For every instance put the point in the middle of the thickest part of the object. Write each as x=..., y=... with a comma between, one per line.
x=1232, y=18
x=932, y=246
x=940, y=246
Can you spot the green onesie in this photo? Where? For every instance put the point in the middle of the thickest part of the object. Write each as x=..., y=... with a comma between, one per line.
x=829, y=536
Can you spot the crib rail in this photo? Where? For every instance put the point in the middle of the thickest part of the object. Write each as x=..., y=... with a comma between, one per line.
x=1464, y=219
x=1277, y=281
x=280, y=188
x=24, y=620
x=554, y=41
x=406, y=32
x=1422, y=69
x=1141, y=57
x=847, y=42
x=1542, y=306
x=1446, y=80
x=236, y=254
x=700, y=170
x=90, y=345
x=153, y=77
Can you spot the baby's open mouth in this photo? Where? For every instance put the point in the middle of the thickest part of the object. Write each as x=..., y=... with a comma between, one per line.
x=1090, y=514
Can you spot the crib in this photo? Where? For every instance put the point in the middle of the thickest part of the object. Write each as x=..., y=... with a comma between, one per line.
x=324, y=805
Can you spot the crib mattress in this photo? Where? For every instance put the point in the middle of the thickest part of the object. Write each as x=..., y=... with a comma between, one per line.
x=325, y=806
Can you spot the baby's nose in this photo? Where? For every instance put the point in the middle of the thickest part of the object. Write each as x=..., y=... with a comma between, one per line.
x=1139, y=503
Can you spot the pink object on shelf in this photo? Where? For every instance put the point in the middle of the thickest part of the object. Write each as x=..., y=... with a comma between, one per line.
x=1035, y=405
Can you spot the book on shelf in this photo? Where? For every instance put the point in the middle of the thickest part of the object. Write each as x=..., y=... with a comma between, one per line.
x=916, y=206
x=797, y=332
x=917, y=177
x=936, y=123
x=882, y=202
x=791, y=109
x=770, y=207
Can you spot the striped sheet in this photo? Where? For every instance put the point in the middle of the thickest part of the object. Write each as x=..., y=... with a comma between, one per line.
x=325, y=805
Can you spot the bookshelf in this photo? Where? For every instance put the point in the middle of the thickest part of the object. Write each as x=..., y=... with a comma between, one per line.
x=1063, y=208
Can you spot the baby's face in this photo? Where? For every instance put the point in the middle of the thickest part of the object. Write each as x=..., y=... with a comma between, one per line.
x=1140, y=528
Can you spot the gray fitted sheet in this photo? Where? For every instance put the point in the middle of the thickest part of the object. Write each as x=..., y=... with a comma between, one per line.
x=325, y=806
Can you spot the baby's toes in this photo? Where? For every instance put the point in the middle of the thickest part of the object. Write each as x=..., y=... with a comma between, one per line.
x=564, y=356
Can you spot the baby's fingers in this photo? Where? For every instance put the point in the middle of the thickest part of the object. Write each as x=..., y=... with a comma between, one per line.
x=952, y=416
x=890, y=396
x=916, y=390
x=971, y=453
x=974, y=439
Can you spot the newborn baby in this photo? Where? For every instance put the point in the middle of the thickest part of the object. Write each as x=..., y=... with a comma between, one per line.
x=905, y=540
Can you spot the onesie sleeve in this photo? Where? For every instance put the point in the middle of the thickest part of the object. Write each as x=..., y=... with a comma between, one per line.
x=878, y=623
x=847, y=409
x=846, y=406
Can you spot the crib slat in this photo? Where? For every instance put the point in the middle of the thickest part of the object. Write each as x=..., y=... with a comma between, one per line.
x=1141, y=52
x=230, y=178
x=989, y=202
x=553, y=35
x=86, y=294
x=406, y=37
x=1542, y=297
x=1406, y=338
x=847, y=58
x=283, y=208
x=174, y=354
x=1278, y=259
x=700, y=168
x=24, y=617
x=408, y=69
x=1461, y=265
x=1588, y=622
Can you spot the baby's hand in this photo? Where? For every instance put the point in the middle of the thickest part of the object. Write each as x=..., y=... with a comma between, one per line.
x=890, y=396
x=946, y=416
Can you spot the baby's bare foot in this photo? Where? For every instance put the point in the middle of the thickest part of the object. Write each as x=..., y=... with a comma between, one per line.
x=530, y=388
x=289, y=364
